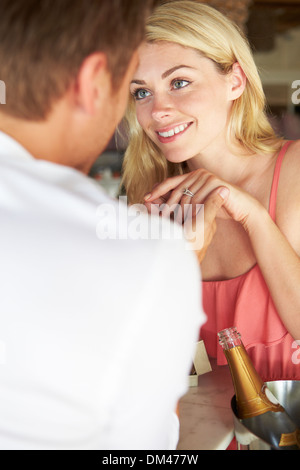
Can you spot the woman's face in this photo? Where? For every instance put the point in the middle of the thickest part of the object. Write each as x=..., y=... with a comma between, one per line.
x=182, y=100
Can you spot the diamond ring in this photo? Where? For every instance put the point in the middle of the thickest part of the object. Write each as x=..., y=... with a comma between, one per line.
x=187, y=192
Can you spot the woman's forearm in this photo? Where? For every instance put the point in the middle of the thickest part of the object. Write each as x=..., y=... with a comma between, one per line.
x=280, y=266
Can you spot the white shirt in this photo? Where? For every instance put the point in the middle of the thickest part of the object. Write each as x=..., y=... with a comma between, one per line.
x=96, y=332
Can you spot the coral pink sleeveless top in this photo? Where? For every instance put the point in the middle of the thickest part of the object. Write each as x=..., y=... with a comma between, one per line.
x=244, y=302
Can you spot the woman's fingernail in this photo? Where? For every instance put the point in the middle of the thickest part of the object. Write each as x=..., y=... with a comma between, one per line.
x=147, y=197
x=224, y=192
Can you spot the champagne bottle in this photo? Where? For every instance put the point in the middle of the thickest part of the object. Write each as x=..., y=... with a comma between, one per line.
x=257, y=407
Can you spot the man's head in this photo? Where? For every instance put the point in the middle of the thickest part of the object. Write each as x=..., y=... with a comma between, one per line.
x=67, y=65
x=43, y=44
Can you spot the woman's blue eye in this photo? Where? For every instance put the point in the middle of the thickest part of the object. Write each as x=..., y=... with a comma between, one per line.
x=180, y=84
x=141, y=94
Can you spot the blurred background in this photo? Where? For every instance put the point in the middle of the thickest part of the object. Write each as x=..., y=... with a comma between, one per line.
x=273, y=30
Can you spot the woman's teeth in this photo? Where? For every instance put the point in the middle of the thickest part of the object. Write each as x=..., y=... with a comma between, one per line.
x=174, y=131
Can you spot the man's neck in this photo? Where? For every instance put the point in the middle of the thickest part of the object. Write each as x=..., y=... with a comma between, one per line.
x=49, y=139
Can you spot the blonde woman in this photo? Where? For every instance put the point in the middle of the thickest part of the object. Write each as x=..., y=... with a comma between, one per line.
x=196, y=123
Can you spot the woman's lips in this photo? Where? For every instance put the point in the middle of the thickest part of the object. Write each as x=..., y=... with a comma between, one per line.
x=172, y=133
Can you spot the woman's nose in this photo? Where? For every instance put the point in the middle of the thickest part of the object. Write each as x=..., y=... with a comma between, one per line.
x=162, y=107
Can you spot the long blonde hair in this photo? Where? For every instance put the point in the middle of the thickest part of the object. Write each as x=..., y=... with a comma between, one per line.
x=200, y=27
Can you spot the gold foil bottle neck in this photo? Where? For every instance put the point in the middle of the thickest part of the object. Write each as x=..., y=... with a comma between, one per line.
x=252, y=396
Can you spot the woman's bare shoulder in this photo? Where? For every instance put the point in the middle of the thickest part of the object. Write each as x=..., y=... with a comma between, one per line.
x=290, y=171
x=291, y=163
x=288, y=196
x=294, y=148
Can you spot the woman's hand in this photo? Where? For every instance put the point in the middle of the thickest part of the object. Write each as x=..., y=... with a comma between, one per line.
x=239, y=204
x=210, y=198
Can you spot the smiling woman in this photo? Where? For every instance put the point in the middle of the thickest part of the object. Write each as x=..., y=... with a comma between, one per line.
x=182, y=108
x=197, y=129
x=188, y=44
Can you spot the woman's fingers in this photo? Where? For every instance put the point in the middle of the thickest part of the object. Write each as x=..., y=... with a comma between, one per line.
x=200, y=229
x=154, y=206
x=164, y=188
x=213, y=204
x=181, y=195
x=183, y=189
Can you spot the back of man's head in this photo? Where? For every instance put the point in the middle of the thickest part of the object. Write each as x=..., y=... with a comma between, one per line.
x=44, y=42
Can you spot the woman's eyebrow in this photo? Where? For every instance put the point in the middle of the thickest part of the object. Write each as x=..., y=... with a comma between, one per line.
x=138, y=82
x=173, y=69
x=164, y=75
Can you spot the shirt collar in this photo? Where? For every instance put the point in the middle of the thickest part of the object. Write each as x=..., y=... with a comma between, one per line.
x=9, y=147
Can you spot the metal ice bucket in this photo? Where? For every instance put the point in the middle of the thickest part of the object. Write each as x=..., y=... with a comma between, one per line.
x=287, y=393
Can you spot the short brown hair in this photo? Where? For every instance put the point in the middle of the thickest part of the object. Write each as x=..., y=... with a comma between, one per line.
x=44, y=42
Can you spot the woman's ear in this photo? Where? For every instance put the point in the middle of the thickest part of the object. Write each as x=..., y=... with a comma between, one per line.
x=237, y=82
x=92, y=83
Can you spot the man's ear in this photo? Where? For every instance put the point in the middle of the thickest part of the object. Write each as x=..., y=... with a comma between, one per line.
x=92, y=83
x=237, y=82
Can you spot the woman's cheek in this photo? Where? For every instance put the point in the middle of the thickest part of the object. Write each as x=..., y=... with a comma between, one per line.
x=141, y=117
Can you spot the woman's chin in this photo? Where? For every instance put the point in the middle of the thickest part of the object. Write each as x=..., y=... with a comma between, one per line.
x=176, y=158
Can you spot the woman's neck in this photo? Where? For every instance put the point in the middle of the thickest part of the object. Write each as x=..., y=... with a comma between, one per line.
x=232, y=164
